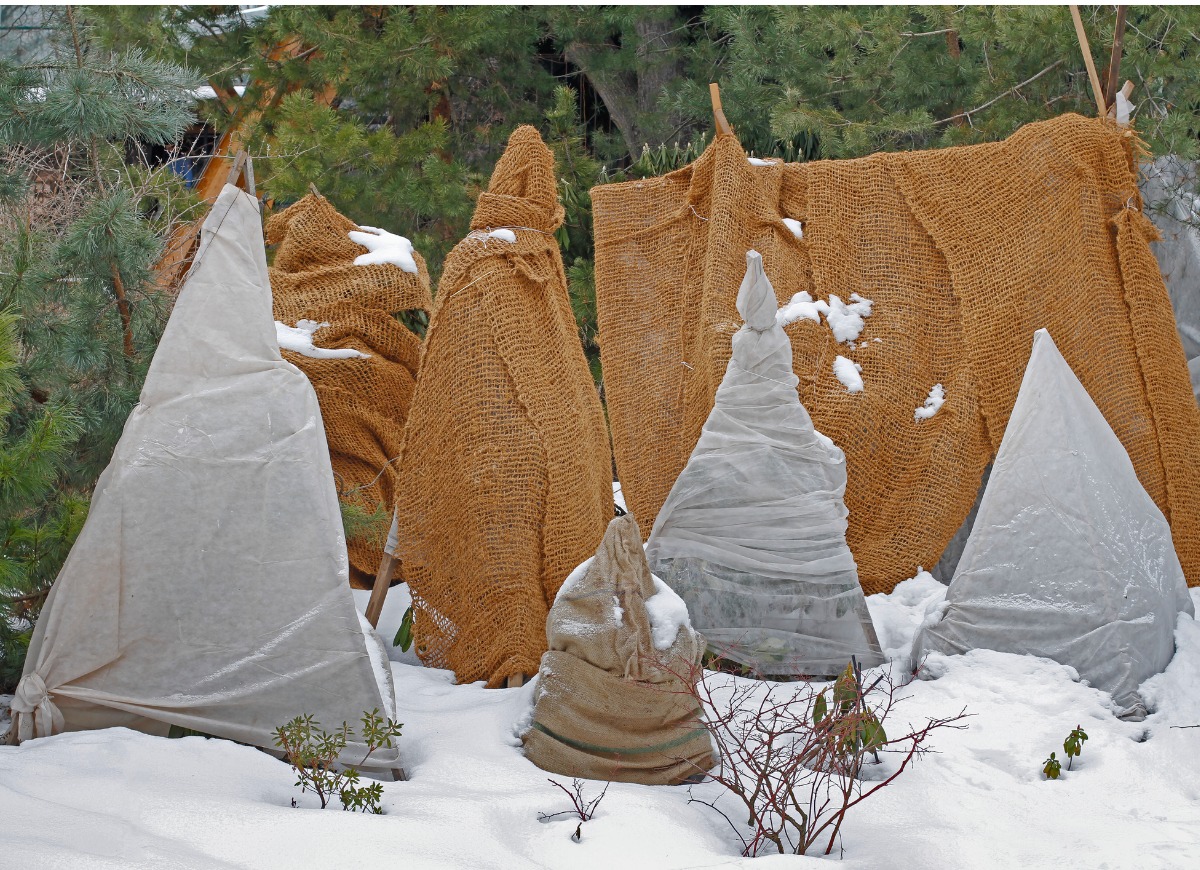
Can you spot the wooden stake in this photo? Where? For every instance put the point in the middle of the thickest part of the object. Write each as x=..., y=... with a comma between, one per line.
x=383, y=581
x=723, y=128
x=1114, y=60
x=516, y=681
x=1097, y=90
x=312, y=188
x=243, y=170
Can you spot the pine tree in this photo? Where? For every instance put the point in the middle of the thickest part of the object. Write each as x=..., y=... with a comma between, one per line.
x=80, y=233
x=848, y=81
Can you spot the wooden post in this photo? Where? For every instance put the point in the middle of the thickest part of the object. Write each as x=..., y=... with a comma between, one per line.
x=242, y=171
x=723, y=128
x=1114, y=60
x=516, y=681
x=383, y=581
x=1097, y=89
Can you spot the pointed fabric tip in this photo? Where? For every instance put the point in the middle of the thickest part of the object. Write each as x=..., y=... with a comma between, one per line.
x=756, y=297
x=522, y=191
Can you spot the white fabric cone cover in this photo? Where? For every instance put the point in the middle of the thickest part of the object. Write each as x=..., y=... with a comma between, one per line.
x=1069, y=557
x=753, y=533
x=208, y=588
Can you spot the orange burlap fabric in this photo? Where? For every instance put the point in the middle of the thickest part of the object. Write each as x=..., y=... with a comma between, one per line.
x=507, y=474
x=965, y=252
x=364, y=402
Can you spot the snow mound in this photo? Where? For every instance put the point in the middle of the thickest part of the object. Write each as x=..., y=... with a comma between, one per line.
x=849, y=373
x=383, y=247
x=299, y=338
x=847, y=319
x=801, y=307
x=898, y=615
x=668, y=614
x=937, y=396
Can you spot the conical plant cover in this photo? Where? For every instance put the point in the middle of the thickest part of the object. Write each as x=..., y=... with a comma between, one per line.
x=506, y=479
x=753, y=533
x=208, y=588
x=611, y=702
x=1069, y=557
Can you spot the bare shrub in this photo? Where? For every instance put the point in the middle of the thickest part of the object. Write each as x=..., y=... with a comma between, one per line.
x=799, y=756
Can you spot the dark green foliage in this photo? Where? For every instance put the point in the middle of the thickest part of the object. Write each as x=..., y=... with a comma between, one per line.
x=313, y=753
x=847, y=81
x=79, y=230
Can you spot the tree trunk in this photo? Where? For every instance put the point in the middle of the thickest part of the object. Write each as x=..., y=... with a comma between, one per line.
x=631, y=96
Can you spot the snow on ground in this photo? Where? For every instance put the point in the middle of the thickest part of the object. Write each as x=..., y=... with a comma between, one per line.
x=118, y=799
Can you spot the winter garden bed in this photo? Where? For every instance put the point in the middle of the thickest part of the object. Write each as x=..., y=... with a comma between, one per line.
x=116, y=798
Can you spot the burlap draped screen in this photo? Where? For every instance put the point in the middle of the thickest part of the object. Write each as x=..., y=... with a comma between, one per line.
x=965, y=253
x=507, y=474
x=364, y=402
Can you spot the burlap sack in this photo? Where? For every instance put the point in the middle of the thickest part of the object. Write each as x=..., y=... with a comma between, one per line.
x=965, y=253
x=609, y=703
x=364, y=402
x=507, y=472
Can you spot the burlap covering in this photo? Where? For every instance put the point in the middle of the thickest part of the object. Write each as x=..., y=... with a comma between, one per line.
x=507, y=471
x=609, y=705
x=364, y=402
x=965, y=253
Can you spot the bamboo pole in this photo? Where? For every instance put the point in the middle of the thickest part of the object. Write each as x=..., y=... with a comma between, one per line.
x=1097, y=89
x=723, y=128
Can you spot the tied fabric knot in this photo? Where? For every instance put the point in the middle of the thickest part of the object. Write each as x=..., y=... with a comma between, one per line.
x=34, y=714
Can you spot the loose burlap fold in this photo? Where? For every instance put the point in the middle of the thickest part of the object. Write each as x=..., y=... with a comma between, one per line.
x=364, y=402
x=609, y=703
x=965, y=252
x=507, y=475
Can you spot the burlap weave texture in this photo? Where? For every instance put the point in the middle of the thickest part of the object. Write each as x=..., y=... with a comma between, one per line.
x=610, y=704
x=364, y=402
x=506, y=469
x=965, y=253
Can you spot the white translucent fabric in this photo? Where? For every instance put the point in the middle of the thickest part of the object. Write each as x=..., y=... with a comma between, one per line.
x=1069, y=557
x=1169, y=189
x=753, y=533
x=209, y=587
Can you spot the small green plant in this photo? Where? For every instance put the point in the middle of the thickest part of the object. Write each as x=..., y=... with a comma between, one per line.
x=313, y=753
x=404, y=634
x=1073, y=745
x=1053, y=768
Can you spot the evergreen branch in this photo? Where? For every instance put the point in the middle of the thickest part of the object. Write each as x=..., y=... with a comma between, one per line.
x=1013, y=90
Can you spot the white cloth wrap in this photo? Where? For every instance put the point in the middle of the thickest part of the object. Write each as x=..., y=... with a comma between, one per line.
x=34, y=714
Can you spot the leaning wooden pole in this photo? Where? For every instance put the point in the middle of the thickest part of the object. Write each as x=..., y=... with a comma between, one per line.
x=1097, y=88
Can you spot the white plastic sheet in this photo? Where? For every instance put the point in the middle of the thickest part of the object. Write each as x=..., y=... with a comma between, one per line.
x=1069, y=558
x=209, y=587
x=753, y=533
